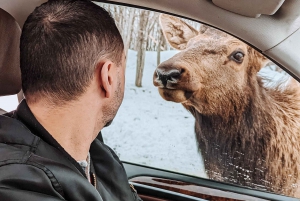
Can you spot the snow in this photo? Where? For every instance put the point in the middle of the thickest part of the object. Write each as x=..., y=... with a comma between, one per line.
x=275, y=77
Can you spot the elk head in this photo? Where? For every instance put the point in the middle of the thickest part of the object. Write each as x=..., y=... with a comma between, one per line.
x=211, y=69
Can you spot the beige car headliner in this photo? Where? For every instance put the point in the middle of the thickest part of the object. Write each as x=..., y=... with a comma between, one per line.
x=277, y=36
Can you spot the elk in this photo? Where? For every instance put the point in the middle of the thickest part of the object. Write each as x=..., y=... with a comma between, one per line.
x=248, y=133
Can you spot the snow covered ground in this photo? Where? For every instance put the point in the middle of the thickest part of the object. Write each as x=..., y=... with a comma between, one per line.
x=149, y=130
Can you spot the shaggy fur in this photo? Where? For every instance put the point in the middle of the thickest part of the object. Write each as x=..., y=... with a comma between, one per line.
x=257, y=146
x=248, y=134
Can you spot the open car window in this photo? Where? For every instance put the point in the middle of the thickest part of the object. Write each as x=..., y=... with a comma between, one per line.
x=147, y=129
x=241, y=139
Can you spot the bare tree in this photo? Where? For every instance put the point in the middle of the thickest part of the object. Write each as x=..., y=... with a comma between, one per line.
x=141, y=47
x=130, y=28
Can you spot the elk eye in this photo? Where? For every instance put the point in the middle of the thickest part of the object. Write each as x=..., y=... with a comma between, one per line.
x=237, y=56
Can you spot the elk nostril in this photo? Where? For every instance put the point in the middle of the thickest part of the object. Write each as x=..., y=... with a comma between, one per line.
x=173, y=76
x=168, y=76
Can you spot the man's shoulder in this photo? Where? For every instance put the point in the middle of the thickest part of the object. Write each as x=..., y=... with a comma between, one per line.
x=41, y=177
x=22, y=174
x=27, y=177
x=22, y=161
x=15, y=141
x=12, y=131
x=29, y=165
x=19, y=146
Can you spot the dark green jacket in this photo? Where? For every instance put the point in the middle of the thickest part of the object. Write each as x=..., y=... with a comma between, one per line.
x=34, y=167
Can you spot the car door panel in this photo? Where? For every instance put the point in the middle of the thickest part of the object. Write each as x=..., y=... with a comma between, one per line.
x=153, y=183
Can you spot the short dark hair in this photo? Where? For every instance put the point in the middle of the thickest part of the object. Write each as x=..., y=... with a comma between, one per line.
x=61, y=42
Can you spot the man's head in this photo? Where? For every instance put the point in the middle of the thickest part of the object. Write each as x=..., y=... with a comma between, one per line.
x=67, y=45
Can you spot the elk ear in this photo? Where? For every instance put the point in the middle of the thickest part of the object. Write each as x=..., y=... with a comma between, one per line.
x=259, y=60
x=176, y=31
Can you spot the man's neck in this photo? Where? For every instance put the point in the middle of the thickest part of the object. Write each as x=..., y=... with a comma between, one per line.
x=73, y=125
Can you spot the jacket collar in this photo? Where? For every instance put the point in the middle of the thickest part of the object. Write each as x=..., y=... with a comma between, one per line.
x=24, y=114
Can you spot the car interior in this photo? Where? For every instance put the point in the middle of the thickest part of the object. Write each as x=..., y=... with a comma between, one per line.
x=10, y=76
x=250, y=22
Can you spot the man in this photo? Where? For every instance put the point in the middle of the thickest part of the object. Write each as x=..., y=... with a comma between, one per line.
x=72, y=66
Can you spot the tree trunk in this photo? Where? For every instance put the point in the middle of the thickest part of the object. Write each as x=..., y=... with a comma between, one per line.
x=129, y=30
x=158, y=53
x=159, y=45
x=140, y=66
x=141, y=48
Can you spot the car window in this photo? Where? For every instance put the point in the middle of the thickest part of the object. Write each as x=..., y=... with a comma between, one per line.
x=161, y=133
x=8, y=103
x=147, y=129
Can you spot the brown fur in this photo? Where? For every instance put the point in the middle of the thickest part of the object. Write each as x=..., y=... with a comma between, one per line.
x=248, y=134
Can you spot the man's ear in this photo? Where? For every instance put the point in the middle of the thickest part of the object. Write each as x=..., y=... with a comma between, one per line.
x=176, y=31
x=106, y=78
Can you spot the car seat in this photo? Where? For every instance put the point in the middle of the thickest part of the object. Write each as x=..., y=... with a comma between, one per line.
x=10, y=73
